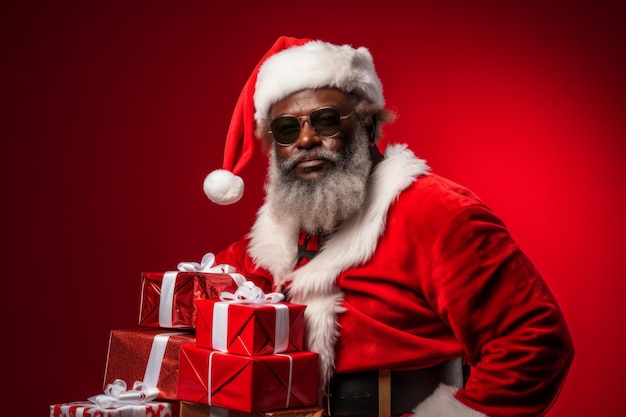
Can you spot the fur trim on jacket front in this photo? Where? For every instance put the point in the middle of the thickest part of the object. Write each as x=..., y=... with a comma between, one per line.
x=273, y=246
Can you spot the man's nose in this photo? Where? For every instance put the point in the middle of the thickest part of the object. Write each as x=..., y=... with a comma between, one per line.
x=308, y=137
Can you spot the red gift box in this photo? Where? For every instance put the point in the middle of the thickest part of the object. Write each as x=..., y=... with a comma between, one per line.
x=248, y=384
x=167, y=298
x=84, y=409
x=148, y=355
x=250, y=329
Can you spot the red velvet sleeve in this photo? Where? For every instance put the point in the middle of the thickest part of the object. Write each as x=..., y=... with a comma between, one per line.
x=504, y=315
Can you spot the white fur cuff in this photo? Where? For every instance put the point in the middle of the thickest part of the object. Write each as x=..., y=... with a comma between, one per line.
x=443, y=403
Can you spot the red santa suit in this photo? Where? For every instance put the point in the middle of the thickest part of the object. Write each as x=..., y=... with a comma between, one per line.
x=425, y=272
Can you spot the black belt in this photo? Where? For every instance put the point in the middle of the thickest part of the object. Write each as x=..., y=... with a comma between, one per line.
x=388, y=392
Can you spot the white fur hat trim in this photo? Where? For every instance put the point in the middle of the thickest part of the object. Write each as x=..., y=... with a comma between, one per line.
x=316, y=64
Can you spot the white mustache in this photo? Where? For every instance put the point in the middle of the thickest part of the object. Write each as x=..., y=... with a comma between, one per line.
x=305, y=155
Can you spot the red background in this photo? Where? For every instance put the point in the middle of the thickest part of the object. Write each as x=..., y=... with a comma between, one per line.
x=113, y=113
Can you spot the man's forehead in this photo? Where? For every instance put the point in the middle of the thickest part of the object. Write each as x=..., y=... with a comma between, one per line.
x=304, y=101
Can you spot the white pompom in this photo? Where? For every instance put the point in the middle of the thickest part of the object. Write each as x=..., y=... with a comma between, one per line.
x=223, y=187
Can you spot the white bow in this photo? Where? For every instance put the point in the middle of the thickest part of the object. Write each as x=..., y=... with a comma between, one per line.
x=248, y=292
x=116, y=395
x=206, y=265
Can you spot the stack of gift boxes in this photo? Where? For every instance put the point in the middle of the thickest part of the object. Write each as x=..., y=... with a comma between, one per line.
x=207, y=347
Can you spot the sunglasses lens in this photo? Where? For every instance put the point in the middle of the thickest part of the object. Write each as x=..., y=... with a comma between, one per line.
x=285, y=129
x=326, y=122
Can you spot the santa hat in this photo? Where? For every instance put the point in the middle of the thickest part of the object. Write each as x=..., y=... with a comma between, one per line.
x=289, y=66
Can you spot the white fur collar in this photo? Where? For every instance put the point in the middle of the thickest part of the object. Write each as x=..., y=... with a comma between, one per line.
x=273, y=246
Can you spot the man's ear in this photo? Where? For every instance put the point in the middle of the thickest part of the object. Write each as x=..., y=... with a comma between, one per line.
x=371, y=130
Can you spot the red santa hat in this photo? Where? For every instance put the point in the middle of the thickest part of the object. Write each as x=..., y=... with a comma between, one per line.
x=289, y=66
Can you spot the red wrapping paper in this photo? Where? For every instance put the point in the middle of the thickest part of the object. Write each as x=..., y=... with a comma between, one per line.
x=250, y=328
x=151, y=409
x=189, y=286
x=248, y=384
x=129, y=352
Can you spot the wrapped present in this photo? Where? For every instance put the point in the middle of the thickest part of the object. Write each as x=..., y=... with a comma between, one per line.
x=148, y=355
x=167, y=298
x=202, y=410
x=250, y=329
x=248, y=384
x=117, y=401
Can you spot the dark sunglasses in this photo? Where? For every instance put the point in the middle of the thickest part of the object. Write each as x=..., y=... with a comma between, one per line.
x=326, y=121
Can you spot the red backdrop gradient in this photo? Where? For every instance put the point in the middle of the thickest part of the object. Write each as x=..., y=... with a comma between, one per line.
x=113, y=113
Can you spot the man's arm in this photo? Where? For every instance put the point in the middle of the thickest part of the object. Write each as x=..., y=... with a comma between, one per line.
x=505, y=317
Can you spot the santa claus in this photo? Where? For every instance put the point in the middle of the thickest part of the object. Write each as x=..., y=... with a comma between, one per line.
x=418, y=299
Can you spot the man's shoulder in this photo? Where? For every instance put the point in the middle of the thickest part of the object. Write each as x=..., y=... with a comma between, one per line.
x=435, y=189
x=434, y=205
x=433, y=198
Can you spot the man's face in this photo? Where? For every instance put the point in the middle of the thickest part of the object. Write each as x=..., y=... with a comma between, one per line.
x=310, y=166
x=317, y=181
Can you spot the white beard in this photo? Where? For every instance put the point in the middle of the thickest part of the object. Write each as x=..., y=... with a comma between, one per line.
x=321, y=204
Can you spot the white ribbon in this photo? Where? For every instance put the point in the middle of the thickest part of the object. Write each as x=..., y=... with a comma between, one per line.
x=166, y=301
x=281, y=328
x=210, y=379
x=116, y=395
x=155, y=359
x=219, y=330
x=290, y=378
